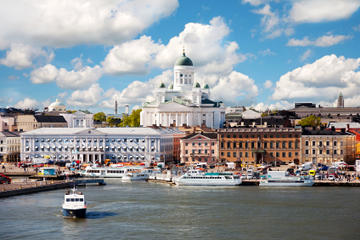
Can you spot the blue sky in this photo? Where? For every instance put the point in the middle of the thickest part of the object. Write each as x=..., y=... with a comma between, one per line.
x=260, y=53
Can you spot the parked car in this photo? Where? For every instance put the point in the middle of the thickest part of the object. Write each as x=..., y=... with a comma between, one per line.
x=4, y=179
x=331, y=178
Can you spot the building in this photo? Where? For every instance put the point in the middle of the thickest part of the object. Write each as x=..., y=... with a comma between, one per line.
x=327, y=147
x=199, y=148
x=30, y=122
x=92, y=145
x=78, y=119
x=9, y=146
x=7, y=123
x=340, y=101
x=259, y=145
x=184, y=102
x=56, y=106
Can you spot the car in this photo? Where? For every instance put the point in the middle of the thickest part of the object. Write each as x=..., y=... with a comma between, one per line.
x=4, y=179
x=331, y=178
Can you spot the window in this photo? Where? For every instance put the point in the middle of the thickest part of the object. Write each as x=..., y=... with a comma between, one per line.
x=228, y=154
x=228, y=144
x=320, y=143
x=306, y=143
x=222, y=153
x=327, y=143
x=199, y=143
x=335, y=152
x=320, y=151
x=222, y=144
x=328, y=152
x=186, y=151
x=290, y=144
x=246, y=154
x=289, y=154
x=212, y=151
x=234, y=144
x=313, y=143
x=313, y=151
x=277, y=144
x=252, y=145
x=240, y=144
x=206, y=151
x=193, y=151
x=186, y=144
x=199, y=151
x=234, y=154
x=193, y=144
x=265, y=144
x=277, y=154
x=335, y=143
x=283, y=144
x=271, y=154
x=283, y=154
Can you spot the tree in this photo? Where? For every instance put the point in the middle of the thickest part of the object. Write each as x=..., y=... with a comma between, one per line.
x=310, y=121
x=113, y=121
x=133, y=120
x=71, y=111
x=100, y=117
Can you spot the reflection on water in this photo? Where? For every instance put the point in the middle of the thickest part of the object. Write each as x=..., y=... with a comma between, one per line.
x=159, y=211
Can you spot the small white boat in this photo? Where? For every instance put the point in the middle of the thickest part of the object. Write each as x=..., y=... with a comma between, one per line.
x=199, y=178
x=135, y=176
x=282, y=179
x=110, y=172
x=74, y=204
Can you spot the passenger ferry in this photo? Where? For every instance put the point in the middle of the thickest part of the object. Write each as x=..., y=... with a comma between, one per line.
x=74, y=204
x=282, y=179
x=109, y=172
x=199, y=178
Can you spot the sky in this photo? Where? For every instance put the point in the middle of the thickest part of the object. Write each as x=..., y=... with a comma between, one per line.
x=266, y=54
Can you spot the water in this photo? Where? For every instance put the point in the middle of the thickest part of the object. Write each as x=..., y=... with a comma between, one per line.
x=159, y=211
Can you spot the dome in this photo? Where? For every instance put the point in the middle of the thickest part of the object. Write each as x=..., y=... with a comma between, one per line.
x=162, y=85
x=56, y=106
x=197, y=85
x=206, y=86
x=183, y=61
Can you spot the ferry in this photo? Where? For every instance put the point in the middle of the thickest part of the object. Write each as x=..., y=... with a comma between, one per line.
x=74, y=204
x=109, y=172
x=283, y=179
x=199, y=178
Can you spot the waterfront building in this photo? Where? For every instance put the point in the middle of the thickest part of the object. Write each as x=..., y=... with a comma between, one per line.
x=184, y=102
x=78, y=119
x=9, y=146
x=327, y=147
x=199, y=148
x=259, y=145
x=30, y=122
x=146, y=145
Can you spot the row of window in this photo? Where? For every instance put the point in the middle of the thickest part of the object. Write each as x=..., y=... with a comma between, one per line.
x=65, y=149
x=90, y=140
x=237, y=135
x=252, y=145
x=247, y=154
x=200, y=144
x=199, y=151
x=320, y=143
x=321, y=152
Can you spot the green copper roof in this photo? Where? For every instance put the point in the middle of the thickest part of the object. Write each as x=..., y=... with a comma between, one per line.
x=206, y=86
x=183, y=61
x=197, y=85
x=162, y=85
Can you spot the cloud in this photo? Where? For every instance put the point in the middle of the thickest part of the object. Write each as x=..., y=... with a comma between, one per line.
x=21, y=56
x=305, y=55
x=356, y=28
x=73, y=79
x=268, y=84
x=254, y=2
x=62, y=23
x=27, y=103
x=321, y=80
x=131, y=57
x=323, y=41
x=267, y=52
x=86, y=98
x=280, y=105
x=313, y=11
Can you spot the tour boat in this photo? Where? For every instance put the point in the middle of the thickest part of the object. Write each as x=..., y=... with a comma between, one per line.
x=199, y=178
x=109, y=172
x=283, y=179
x=74, y=204
x=135, y=176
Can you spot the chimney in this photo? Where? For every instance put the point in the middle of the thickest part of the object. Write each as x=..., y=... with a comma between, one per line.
x=116, y=107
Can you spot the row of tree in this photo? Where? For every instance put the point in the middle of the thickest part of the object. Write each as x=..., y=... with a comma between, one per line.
x=132, y=120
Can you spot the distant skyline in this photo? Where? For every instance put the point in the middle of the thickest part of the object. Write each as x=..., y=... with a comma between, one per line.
x=260, y=53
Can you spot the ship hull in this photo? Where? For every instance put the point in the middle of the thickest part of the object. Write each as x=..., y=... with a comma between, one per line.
x=77, y=213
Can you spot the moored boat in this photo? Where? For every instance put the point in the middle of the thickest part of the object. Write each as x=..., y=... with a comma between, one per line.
x=199, y=178
x=74, y=204
x=283, y=179
x=109, y=172
x=135, y=176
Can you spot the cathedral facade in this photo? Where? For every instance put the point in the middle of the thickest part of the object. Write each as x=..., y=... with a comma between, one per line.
x=184, y=102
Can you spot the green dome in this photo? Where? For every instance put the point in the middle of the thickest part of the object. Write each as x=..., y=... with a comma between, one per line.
x=183, y=61
x=197, y=85
x=206, y=86
x=162, y=85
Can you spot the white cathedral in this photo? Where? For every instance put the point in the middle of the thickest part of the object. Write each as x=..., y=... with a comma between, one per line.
x=184, y=102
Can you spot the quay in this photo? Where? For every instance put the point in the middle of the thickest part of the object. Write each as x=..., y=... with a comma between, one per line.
x=14, y=189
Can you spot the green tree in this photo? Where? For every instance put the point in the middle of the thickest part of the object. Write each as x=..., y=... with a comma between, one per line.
x=133, y=120
x=71, y=111
x=310, y=121
x=100, y=116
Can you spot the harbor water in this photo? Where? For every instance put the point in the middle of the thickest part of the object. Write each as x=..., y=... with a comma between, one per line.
x=161, y=211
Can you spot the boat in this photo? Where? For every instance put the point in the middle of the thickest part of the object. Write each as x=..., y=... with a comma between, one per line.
x=200, y=178
x=135, y=176
x=74, y=204
x=109, y=172
x=283, y=179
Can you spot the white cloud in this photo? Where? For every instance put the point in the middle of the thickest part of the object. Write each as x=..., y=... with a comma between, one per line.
x=131, y=57
x=273, y=106
x=255, y=2
x=21, y=56
x=312, y=11
x=320, y=80
x=86, y=98
x=268, y=84
x=305, y=55
x=81, y=78
x=60, y=23
x=323, y=41
x=27, y=103
x=267, y=52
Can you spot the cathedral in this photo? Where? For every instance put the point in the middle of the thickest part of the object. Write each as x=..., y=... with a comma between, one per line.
x=184, y=102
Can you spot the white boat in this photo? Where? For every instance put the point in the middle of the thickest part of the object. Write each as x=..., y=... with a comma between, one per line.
x=282, y=179
x=199, y=178
x=74, y=204
x=109, y=172
x=135, y=176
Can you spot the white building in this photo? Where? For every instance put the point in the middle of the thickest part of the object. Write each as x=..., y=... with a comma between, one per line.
x=184, y=102
x=97, y=144
x=79, y=119
x=9, y=146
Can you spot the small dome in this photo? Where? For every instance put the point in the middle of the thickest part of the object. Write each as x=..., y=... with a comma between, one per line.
x=162, y=85
x=206, y=86
x=197, y=85
x=183, y=61
x=56, y=105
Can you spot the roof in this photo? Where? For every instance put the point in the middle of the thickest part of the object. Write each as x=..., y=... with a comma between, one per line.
x=344, y=125
x=9, y=134
x=323, y=132
x=250, y=114
x=183, y=61
x=208, y=135
x=49, y=118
